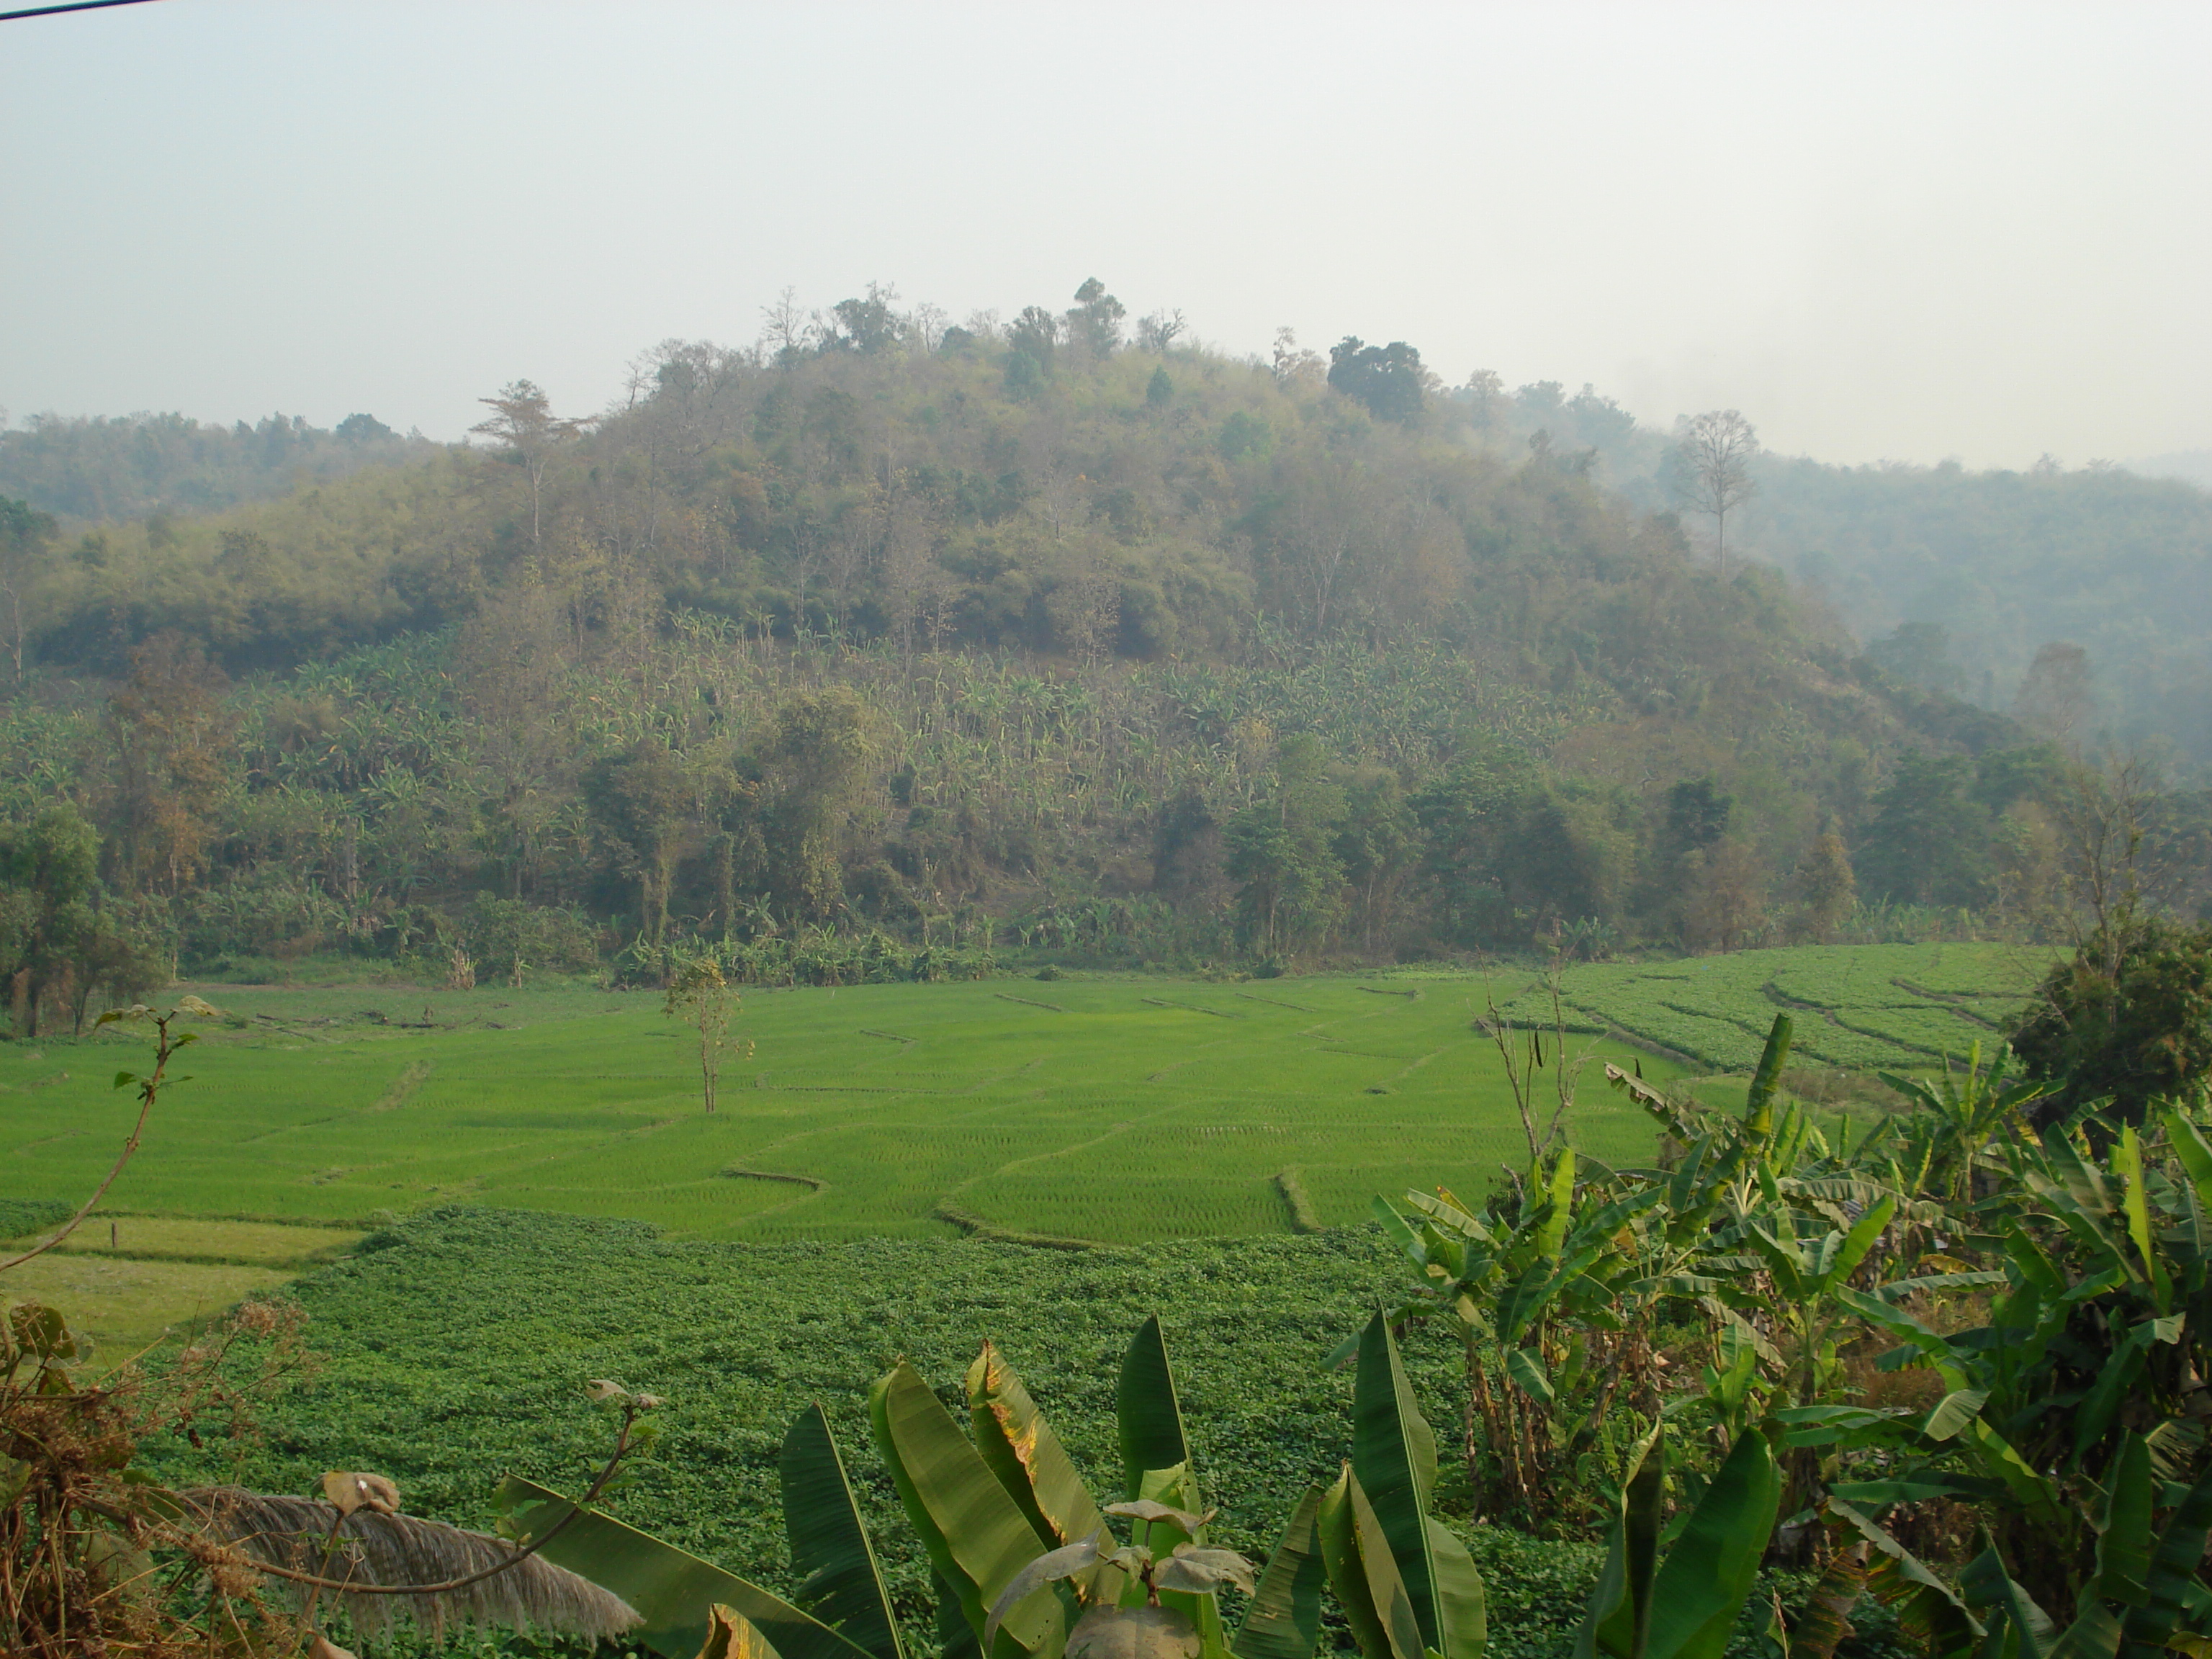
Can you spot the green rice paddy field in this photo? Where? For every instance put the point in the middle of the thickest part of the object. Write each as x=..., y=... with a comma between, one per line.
x=804, y=1238
x=1117, y=1111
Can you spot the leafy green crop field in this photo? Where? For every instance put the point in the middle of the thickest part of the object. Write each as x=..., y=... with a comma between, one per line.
x=1116, y=1111
x=457, y=1343
x=1898, y=1007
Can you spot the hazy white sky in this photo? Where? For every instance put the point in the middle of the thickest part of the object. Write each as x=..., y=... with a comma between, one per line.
x=1906, y=231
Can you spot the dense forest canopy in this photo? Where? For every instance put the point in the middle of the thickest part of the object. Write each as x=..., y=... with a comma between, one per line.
x=939, y=634
x=147, y=466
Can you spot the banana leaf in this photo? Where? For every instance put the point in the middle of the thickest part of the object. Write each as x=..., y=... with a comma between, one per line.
x=1394, y=1462
x=2172, y=1579
x=672, y=1588
x=1551, y=1233
x=1767, y=1082
x=2106, y=1395
x=1364, y=1573
x=2187, y=1143
x=1284, y=1620
x=1826, y=1622
x=1393, y=1454
x=1927, y=1608
x=2124, y=1541
x=1861, y=1239
x=1463, y=1604
x=1146, y=1410
x=976, y=1537
x=1710, y=1570
x=1027, y=1457
x=731, y=1635
x=843, y=1588
x=2018, y=1628
x=1619, y=1618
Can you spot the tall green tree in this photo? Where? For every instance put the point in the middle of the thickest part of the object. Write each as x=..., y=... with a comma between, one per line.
x=49, y=882
x=816, y=757
x=1284, y=853
x=644, y=804
x=2128, y=1018
x=25, y=536
x=1929, y=840
x=1388, y=379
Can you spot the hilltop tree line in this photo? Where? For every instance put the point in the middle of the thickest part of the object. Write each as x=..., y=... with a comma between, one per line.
x=892, y=635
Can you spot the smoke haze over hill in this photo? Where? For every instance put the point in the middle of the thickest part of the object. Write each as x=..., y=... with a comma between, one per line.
x=1899, y=233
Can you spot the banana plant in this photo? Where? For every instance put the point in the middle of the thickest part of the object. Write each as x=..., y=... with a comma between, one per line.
x=1959, y=1114
x=1025, y=1560
x=687, y=1604
x=2072, y=1418
x=1541, y=1292
x=1554, y=1291
x=2142, y=1597
x=1683, y=1606
x=1409, y=1589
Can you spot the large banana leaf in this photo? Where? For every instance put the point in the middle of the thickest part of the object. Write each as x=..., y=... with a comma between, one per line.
x=1560, y=1194
x=1619, y=1618
x=1766, y=1081
x=1025, y=1455
x=1463, y=1606
x=2186, y=1141
x=2172, y=1578
x=1394, y=1456
x=1686, y=1608
x=828, y=1543
x=1365, y=1574
x=1284, y=1621
x=1710, y=1572
x=2124, y=1542
x=1394, y=1462
x=976, y=1537
x=2019, y=1629
x=1337, y=1534
x=1927, y=1608
x=2101, y=1405
x=1149, y=1415
x=674, y=1590
x=1861, y=1238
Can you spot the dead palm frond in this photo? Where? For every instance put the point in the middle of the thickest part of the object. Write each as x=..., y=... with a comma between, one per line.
x=373, y=1549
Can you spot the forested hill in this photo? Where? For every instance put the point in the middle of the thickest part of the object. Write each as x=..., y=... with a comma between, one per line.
x=1962, y=581
x=1981, y=571
x=934, y=633
x=1956, y=579
x=155, y=466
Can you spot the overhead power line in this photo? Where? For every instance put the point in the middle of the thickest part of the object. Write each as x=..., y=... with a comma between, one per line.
x=73, y=5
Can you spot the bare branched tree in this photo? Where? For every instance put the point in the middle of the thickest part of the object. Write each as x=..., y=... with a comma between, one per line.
x=1520, y=1046
x=2057, y=693
x=1713, y=461
x=1292, y=365
x=523, y=420
x=1159, y=332
x=783, y=325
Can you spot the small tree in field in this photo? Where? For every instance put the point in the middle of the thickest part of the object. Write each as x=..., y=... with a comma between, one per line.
x=700, y=997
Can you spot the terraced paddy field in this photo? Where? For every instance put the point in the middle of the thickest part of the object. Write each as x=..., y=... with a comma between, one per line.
x=1110, y=1110
x=1893, y=1007
x=1115, y=1110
